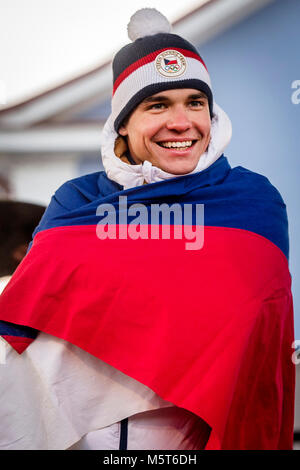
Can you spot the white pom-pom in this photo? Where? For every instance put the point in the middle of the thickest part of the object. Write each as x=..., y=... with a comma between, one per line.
x=146, y=22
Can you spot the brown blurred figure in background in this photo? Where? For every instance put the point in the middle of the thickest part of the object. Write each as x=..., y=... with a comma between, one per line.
x=17, y=223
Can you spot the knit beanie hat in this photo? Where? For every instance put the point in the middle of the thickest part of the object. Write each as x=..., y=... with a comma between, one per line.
x=155, y=61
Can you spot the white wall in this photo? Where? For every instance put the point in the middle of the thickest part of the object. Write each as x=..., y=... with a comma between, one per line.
x=37, y=178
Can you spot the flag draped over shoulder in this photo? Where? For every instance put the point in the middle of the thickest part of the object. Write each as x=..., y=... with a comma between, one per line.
x=207, y=329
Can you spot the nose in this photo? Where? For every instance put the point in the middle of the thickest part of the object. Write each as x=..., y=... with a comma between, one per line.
x=178, y=120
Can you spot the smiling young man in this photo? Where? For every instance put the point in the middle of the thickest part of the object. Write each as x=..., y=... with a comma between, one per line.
x=140, y=343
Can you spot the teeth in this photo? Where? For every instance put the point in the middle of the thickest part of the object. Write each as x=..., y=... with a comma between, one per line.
x=187, y=143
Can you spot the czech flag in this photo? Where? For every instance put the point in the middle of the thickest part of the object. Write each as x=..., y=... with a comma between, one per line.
x=170, y=62
x=199, y=309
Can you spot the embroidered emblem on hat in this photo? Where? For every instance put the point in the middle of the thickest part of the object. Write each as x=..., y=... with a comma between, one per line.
x=170, y=64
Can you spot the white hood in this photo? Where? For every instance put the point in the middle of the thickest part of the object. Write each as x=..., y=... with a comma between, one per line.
x=130, y=176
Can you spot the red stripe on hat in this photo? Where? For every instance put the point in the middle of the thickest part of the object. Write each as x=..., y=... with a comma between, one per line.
x=150, y=58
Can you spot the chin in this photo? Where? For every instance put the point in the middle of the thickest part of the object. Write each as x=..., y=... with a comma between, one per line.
x=180, y=168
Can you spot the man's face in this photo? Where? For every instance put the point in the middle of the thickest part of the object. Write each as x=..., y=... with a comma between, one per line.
x=170, y=129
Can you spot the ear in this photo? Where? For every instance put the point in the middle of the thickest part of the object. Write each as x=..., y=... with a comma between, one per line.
x=123, y=130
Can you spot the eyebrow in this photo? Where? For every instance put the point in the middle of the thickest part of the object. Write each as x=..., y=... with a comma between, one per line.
x=155, y=99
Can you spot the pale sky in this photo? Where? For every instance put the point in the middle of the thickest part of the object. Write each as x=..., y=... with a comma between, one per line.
x=46, y=42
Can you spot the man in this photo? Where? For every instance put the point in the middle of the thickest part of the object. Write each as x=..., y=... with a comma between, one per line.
x=141, y=325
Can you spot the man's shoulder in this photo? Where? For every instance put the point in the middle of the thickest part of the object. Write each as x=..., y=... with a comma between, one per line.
x=89, y=180
x=77, y=191
x=85, y=189
x=255, y=183
x=263, y=209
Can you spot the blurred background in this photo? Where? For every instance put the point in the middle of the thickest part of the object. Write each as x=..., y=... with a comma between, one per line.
x=56, y=84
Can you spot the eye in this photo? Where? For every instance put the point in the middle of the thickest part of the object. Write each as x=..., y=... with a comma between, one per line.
x=157, y=106
x=197, y=103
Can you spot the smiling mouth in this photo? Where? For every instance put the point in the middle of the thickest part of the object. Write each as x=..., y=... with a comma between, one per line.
x=175, y=145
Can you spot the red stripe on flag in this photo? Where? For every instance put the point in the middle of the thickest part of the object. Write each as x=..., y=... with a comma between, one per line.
x=208, y=330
